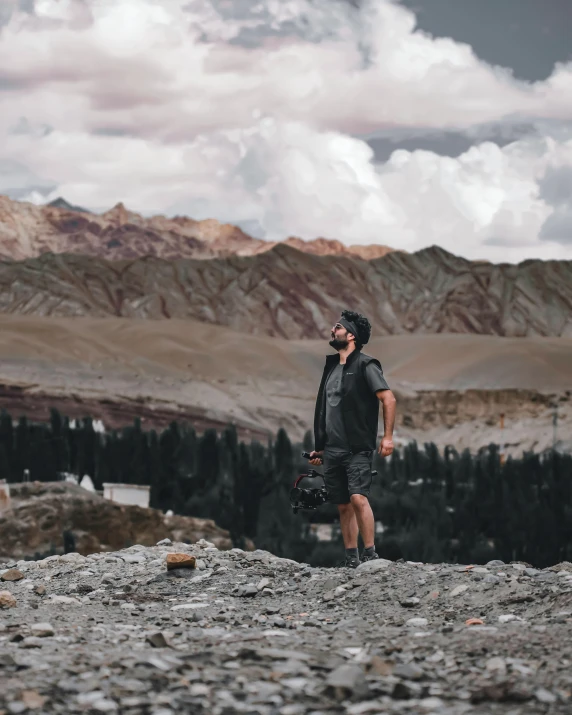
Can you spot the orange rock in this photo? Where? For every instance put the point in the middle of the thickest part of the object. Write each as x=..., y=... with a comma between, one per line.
x=474, y=622
x=380, y=666
x=181, y=561
x=33, y=700
x=7, y=600
x=12, y=575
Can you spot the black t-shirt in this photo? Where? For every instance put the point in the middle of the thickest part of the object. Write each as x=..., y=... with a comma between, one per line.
x=336, y=439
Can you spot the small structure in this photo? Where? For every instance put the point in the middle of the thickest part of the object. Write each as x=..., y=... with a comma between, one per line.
x=5, y=499
x=128, y=494
x=87, y=483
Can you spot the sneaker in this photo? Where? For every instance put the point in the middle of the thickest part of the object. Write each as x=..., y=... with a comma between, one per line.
x=372, y=557
x=350, y=562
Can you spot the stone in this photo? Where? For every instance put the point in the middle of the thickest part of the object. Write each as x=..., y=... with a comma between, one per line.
x=544, y=696
x=32, y=642
x=33, y=700
x=40, y=589
x=157, y=640
x=458, y=590
x=249, y=589
x=491, y=578
x=408, y=671
x=263, y=583
x=164, y=542
x=181, y=561
x=496, y=665
x=7, y=600
x=510, y=618
x=373, y=566
x=417, y=622
x=64, y=600
x=410, y=602
x=380, y=666
x=12, y=575
x=495, y=563
x=348, y=680
x=189, y=606
x=42, y=630
x=134, y=558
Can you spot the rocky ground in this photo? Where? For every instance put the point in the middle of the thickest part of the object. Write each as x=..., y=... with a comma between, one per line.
x=247, y=632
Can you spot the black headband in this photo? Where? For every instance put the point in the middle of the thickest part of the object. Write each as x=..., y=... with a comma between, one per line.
x=350, y=327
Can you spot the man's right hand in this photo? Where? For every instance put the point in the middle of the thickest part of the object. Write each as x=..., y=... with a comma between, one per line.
x=315, y=457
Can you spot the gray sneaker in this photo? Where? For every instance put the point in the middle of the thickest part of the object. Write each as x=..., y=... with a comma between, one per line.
x=372, y=557
x=351, y=562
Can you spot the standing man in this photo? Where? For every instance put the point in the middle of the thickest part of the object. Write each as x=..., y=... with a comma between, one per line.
x=345, y=430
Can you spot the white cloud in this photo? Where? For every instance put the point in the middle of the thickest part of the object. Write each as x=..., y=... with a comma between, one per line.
x=159, y=105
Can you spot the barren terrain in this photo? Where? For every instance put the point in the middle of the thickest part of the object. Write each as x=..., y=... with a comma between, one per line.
x=450, y=388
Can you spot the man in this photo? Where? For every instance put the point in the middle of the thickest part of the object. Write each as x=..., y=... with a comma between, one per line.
x=345, y=430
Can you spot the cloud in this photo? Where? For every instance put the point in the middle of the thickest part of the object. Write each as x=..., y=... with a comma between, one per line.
x=265, y=113
x=556, y=185
x=558, y=227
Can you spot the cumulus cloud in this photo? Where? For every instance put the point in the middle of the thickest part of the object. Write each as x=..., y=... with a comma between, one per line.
x=261, y=112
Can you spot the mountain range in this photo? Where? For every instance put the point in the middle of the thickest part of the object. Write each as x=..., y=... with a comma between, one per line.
x=60, y=262
x=28, y=230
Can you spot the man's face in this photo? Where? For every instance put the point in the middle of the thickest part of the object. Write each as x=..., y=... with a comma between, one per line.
x=339, y=339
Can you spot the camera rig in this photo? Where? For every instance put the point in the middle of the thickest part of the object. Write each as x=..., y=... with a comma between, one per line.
x=311, y=496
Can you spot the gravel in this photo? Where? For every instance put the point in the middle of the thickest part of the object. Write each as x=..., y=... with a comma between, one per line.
x=247, y=632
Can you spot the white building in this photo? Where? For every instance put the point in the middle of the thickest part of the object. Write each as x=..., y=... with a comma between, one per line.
x=128, y=494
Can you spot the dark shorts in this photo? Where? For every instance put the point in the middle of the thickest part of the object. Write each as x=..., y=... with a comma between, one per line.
x=346, y=473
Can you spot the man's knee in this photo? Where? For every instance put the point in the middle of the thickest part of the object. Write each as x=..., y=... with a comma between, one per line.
x=359, y=501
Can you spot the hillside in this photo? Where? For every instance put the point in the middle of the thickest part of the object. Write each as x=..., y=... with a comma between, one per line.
x=286, y=293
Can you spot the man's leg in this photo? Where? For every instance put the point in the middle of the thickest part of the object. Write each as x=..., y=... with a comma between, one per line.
x=359, y=484
x=363, y=519
x=348, y=525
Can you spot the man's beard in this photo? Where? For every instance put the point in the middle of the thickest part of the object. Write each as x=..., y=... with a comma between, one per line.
x=339, y=344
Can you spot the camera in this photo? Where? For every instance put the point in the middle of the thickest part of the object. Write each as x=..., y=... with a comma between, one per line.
x=309, y=490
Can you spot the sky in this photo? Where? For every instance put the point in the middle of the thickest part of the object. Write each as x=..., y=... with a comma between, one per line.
x=405, y=123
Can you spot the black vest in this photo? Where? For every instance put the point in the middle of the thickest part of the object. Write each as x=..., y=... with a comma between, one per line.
x=360, y=406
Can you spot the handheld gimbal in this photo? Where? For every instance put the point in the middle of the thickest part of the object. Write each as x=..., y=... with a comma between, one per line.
x=311, y=497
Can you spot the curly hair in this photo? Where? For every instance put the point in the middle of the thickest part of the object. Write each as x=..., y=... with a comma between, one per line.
x=363, y=325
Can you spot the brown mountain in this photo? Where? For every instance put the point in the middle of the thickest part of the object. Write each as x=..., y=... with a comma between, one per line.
x=287, y=293
x=27, y=231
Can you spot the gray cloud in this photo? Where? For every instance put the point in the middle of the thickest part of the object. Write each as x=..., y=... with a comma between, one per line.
x=112, y=132
x=446, y=143
x=526, y=35
x=556, y=186
x=27, y=6
x=17, y=180
x=558, y=226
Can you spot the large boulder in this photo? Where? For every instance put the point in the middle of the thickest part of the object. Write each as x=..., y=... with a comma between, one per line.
x=41, y=512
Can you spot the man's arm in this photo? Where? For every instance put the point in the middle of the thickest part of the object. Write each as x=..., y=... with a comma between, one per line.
x=388, y=401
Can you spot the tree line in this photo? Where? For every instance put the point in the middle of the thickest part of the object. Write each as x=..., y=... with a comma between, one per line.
x=434, y=506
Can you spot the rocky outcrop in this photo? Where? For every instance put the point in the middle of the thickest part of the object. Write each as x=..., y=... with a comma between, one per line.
x=27, y=231
x=286, y=293
x=42, y=511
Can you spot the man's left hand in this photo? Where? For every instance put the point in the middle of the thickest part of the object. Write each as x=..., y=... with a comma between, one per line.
x=385, y=447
